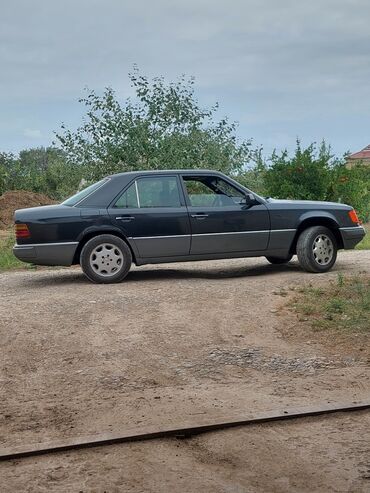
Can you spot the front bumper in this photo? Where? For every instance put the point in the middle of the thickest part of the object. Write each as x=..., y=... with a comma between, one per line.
x=46, y=253
x=351, y=236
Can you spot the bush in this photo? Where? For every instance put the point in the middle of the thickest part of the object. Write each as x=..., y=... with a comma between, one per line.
x=352, y=186
x=305, y=176
x=315, y=174
x=40, y=170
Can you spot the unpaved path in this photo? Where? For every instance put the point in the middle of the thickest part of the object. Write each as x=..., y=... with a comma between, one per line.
x=173, y=345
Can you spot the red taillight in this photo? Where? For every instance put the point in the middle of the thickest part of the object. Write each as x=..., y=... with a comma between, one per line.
x=22, y=231
x=354, y=217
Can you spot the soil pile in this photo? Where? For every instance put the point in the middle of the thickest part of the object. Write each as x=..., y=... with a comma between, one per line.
x=19, y=199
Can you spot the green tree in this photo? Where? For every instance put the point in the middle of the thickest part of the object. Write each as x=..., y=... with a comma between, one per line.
x=162, y=127
x=253, y=177
x=6, y=165
x=352, y=186
x=42, y=170
x=306, y=175
x=316, y=174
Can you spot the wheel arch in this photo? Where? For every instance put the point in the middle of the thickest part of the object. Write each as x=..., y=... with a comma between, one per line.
x=92, y=233
x=321, y=219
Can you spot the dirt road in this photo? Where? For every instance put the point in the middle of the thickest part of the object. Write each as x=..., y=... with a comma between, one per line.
x=172, y=345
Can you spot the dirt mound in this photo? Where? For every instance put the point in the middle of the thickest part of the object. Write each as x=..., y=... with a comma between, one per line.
x=19, y=199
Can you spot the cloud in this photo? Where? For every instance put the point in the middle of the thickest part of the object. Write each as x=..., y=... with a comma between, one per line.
x=32, y=133
x=277, y=67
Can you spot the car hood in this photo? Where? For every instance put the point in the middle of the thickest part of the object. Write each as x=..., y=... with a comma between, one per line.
x=314, y=204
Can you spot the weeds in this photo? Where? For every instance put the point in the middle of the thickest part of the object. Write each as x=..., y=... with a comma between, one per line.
x=343, y=304
x=365, y=243
x=7, y=259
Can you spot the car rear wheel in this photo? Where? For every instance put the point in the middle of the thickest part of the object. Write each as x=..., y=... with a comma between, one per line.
x=317, y=249
x=279, y=260
x=106, y=259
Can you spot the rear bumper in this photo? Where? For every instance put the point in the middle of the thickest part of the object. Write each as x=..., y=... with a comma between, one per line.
x=46, y=253
x=351, y=236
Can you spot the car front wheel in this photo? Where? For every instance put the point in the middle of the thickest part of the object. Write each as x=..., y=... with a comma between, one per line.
x=317, y=249
x=106, y=259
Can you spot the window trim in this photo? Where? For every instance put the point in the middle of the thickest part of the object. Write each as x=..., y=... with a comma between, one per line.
x=137, y=195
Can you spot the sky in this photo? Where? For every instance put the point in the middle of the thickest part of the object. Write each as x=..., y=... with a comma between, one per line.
x=282, y=68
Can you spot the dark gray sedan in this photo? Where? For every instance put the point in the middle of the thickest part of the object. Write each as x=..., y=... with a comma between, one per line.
x=149, y=217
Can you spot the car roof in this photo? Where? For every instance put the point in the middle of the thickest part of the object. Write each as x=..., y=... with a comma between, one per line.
x=169, y=171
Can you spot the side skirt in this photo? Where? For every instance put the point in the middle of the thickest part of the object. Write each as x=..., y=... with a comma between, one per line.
x=218, y=256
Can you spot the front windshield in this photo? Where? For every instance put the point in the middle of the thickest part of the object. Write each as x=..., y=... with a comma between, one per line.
x=84, y=193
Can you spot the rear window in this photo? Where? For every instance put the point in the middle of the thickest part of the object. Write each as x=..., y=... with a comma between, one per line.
x=84, y=193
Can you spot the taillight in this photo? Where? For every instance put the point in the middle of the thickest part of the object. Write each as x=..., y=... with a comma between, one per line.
x=354, y=217
x=22, y=231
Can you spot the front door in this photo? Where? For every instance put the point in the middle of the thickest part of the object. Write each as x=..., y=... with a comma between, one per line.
x=152, y=214
x=221, y=220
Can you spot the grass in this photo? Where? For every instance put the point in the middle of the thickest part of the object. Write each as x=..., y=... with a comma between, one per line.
x=7, y=259
x=342, y=305
x=365, y=243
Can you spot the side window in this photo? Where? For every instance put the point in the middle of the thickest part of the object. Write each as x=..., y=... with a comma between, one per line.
x=210, y=191
x=159, y=191
x=128, y=200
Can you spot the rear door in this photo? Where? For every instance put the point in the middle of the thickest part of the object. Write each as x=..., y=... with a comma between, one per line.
x=151, y=211
x=221, y=219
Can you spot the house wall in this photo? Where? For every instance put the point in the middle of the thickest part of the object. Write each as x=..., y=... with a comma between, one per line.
x=352, y=162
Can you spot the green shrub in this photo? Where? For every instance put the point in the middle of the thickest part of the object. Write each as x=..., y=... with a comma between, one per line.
x=352, y=186
x=305, y=176
x=315, y=174
x=7, y=259
x=41, y=170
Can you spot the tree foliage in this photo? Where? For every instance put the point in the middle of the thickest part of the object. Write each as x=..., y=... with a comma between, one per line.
x=352, y=186
x=42, y=170
x=316, y=174
x=163, y=127
x=253, y=177
x=306, y=175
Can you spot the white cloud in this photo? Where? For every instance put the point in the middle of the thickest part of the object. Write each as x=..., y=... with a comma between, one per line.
x=32, y=133
x=268, y=62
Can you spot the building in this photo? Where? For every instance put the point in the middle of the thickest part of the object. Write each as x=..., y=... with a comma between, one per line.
x=361, y=157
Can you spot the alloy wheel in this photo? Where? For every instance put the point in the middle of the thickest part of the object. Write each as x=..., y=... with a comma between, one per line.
x=323, y=249
x=106, y=259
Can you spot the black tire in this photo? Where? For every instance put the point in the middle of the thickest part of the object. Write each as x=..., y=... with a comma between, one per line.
x=112, y=258
x=317, y=249
x=279, y=260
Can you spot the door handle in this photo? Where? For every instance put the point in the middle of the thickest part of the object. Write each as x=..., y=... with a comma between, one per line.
x=200, y=215
x=125, y=218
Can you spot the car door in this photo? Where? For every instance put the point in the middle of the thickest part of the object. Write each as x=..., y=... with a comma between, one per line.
x=151, y=212
x=221, y=218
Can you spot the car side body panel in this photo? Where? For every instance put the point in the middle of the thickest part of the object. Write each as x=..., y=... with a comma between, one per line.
x=161, y=232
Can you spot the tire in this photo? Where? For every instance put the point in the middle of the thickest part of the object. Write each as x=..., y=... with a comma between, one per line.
x=279, y=260
x=317, y=249
x=105, y=259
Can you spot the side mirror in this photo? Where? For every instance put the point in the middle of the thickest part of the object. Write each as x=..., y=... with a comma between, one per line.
x=249, y=199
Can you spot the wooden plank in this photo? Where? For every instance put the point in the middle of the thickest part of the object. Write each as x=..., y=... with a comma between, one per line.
x=185, y=432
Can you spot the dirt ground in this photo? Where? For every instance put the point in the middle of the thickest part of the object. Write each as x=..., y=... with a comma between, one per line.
x=176, y=345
